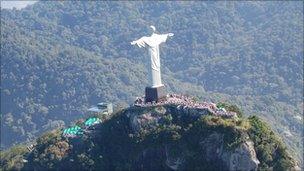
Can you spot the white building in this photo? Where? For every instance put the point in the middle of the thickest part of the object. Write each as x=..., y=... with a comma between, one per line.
x=102, y=109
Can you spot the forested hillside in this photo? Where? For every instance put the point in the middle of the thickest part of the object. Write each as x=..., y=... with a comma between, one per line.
x=58, y=58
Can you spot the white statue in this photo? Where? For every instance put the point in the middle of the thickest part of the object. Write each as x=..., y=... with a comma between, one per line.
x=153, y=43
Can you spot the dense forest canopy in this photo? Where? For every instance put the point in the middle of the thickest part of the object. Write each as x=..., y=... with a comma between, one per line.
x=58, y=58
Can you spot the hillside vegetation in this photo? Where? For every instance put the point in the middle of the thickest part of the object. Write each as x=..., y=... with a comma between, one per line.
x=58, y=58
x=175, y=141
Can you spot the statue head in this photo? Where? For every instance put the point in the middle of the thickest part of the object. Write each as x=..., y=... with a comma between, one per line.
x=153, y=28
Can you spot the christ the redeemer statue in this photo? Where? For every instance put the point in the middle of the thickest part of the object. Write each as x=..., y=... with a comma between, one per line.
x=153, y=42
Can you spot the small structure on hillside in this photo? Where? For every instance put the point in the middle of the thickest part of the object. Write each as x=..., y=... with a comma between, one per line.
x=101, y=109
x=92, y=121
x=72, y=131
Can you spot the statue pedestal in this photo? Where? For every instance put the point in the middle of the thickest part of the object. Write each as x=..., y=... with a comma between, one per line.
x=154, y=93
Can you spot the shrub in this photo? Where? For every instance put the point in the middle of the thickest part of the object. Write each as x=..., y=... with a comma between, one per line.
x=231, y=108
x=12, y=159
x=270, y=150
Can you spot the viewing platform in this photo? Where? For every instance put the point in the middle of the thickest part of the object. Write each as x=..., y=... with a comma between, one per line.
x=186, y=103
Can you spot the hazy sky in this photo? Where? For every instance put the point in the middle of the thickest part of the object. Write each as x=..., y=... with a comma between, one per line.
x=16, y=4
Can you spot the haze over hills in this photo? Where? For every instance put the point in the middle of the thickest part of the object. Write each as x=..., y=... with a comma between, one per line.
x=58, y=58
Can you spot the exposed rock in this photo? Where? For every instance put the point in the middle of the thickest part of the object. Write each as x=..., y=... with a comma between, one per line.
x=165, y=157
x=145, y=121
x=149, y=117
x=243, y=157
x=175, y=159
x=145, y=118
x=212, y=147
x=151, y=159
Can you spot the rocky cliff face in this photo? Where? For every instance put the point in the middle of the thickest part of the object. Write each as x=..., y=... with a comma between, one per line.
x=242, y=157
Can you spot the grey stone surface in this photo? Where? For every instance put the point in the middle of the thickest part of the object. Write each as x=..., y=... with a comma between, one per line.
x=242, y=158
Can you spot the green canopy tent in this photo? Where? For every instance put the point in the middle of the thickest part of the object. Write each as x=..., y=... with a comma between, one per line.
x=77, y=130
x=73, y=131
x=92, y=121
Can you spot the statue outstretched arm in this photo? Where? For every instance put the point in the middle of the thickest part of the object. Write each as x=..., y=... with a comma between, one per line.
x=170, y=34
x=161, y=38
x=152, y=41
x=140, y=42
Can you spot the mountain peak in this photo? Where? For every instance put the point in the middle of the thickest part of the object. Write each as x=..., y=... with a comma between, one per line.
x=168, y=135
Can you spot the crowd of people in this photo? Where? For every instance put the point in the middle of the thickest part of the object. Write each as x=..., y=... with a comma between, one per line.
x=183, y=101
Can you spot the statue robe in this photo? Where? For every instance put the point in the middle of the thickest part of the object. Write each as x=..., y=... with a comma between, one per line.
x=153, y=43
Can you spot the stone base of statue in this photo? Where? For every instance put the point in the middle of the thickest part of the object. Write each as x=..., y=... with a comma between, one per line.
x=154, y=94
